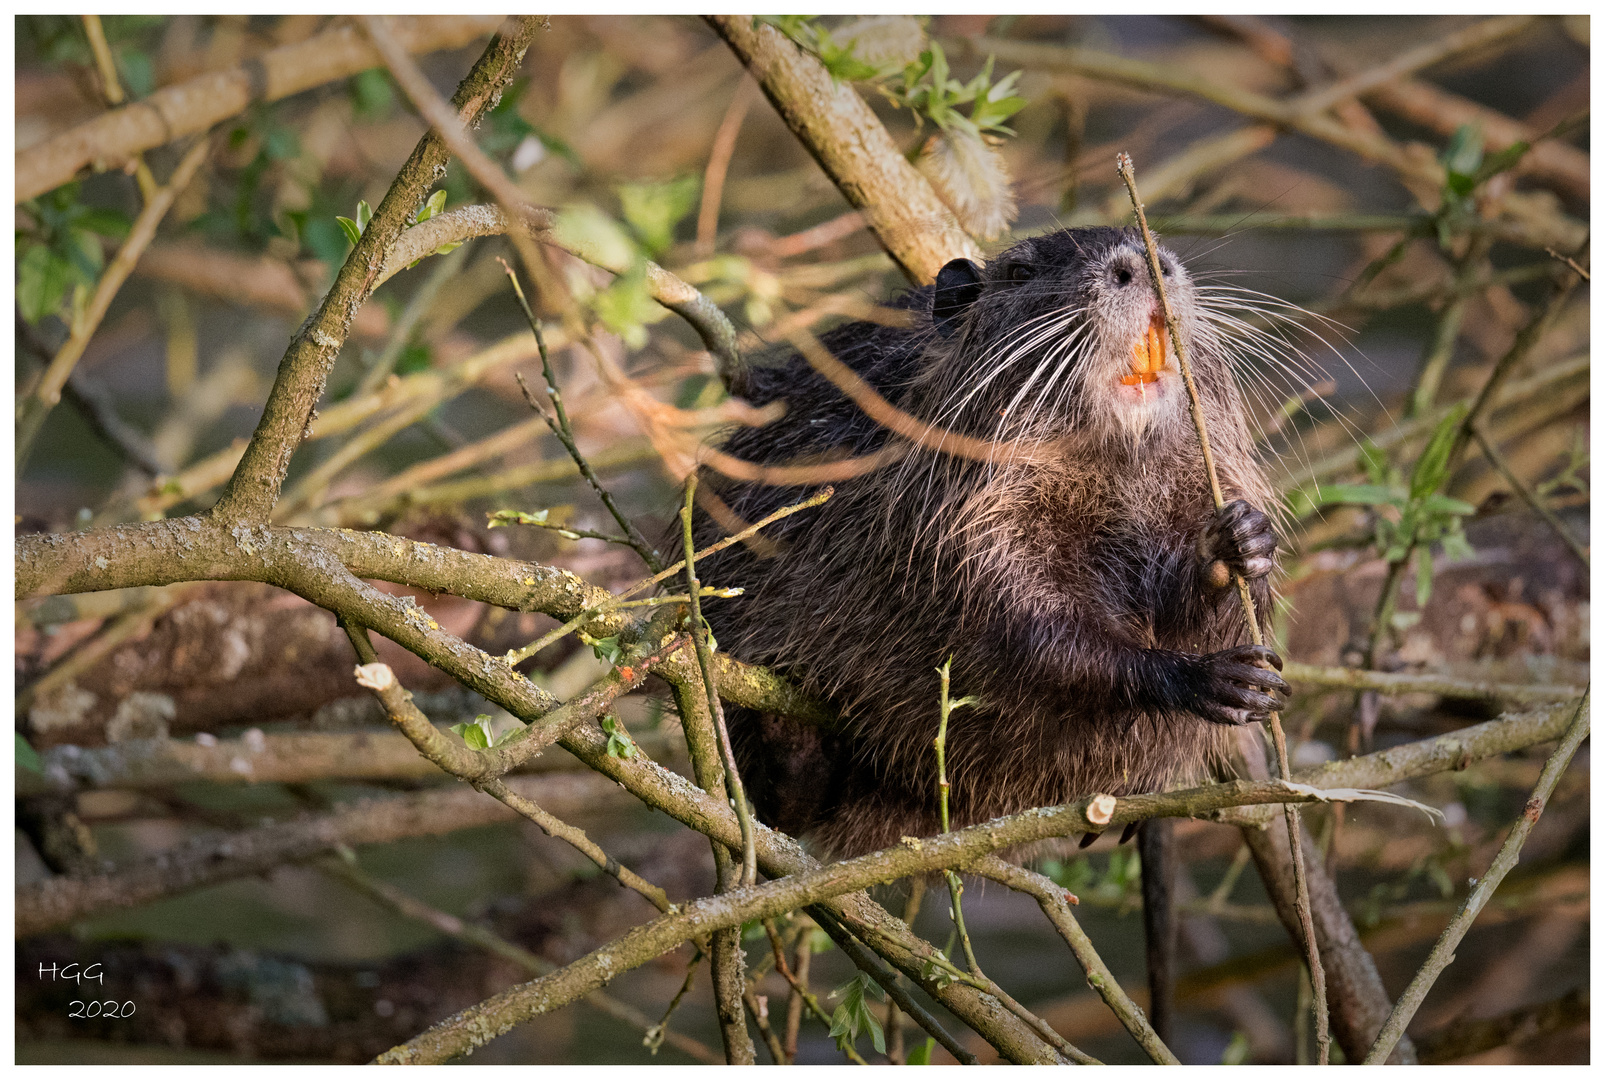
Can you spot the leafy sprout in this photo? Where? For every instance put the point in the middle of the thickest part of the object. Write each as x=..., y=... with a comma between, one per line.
x=853, y=1016
x=1406, y=514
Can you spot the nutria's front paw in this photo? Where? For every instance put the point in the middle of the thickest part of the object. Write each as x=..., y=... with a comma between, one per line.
x=1240, y=540
x=1238, y=686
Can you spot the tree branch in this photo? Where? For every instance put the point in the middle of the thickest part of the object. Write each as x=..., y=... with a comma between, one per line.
x=477, y=1025
x=189, y=107
x=1509, y=852
x=1339, y=678
x=254, y=488
x=848, y=140
x=346, y=871
x=207, y=861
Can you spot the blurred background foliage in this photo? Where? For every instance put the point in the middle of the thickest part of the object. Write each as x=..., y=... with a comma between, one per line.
x=647, y=137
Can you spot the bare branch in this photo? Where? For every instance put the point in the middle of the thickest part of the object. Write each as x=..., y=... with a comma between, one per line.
x=175, y=111
x=61, y=900
x=346, y=871
x=254, y=488
x=1443, y=952
x=1306, y=675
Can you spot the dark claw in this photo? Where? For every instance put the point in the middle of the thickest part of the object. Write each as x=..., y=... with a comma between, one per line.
x=1242, y=539
x=1240, y=687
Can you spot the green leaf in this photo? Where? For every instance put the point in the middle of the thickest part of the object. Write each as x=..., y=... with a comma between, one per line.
x=139, y=76
x=434, y=205
x=1462, y=156
x=1455, y=544
x=1442, y=505
x=1503, y=161
x=352, y=230
x=478, y=734
x=1356, y=495
x=921, y=1055
x=83, y=251
x=27, y=756
x=1374, y=461
x=43, y=278
x=364, y=214
x=619, y=743
x=1236, y=1052
x=607, y=648
x=413, y=358
x=852, y=1017
x=110, y=223
x=1433, y=465
x=653, y=210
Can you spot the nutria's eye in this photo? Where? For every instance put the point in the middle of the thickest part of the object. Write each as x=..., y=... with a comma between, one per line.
x=1122, y=276
x=1164, y=267
x=1021, y=272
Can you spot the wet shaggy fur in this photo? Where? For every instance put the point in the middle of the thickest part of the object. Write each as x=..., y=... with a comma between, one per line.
x=1068, y=577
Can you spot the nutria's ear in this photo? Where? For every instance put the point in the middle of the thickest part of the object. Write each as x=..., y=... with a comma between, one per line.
x=958, y=285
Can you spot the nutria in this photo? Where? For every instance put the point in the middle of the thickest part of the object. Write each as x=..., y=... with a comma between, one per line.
x=1073, y=573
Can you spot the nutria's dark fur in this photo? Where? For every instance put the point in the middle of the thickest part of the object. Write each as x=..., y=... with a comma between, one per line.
x=1071, y=584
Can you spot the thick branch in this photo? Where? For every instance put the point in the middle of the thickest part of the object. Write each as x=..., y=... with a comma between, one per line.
x=175, y=111
x=848, y=140
x=473, y=1027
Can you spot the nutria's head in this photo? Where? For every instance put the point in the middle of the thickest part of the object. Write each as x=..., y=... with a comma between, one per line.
x=1063, y=334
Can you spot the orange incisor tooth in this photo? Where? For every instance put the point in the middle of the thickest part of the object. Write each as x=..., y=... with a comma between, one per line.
x=1147, y=357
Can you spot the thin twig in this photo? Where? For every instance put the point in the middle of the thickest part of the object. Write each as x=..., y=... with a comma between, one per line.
x=565, y=431
x=737, y=791
x=1477, y=35
x=797, y=976
x=955, y=887
x=1509, y=853
x=255, y=486
x=418, y=304
x=577, y=839
x=1323, y=1035
x=112, y=90
x=37, y=406
x=758, y=1009
x=659, y=1033
x=1569, y=261
x=895, y=1050
x=346, y=870
x=713, y=177
x=519, y=655
x=522, y=220
x=1530, y=497
x=1435, y=361
x=1526, y=338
